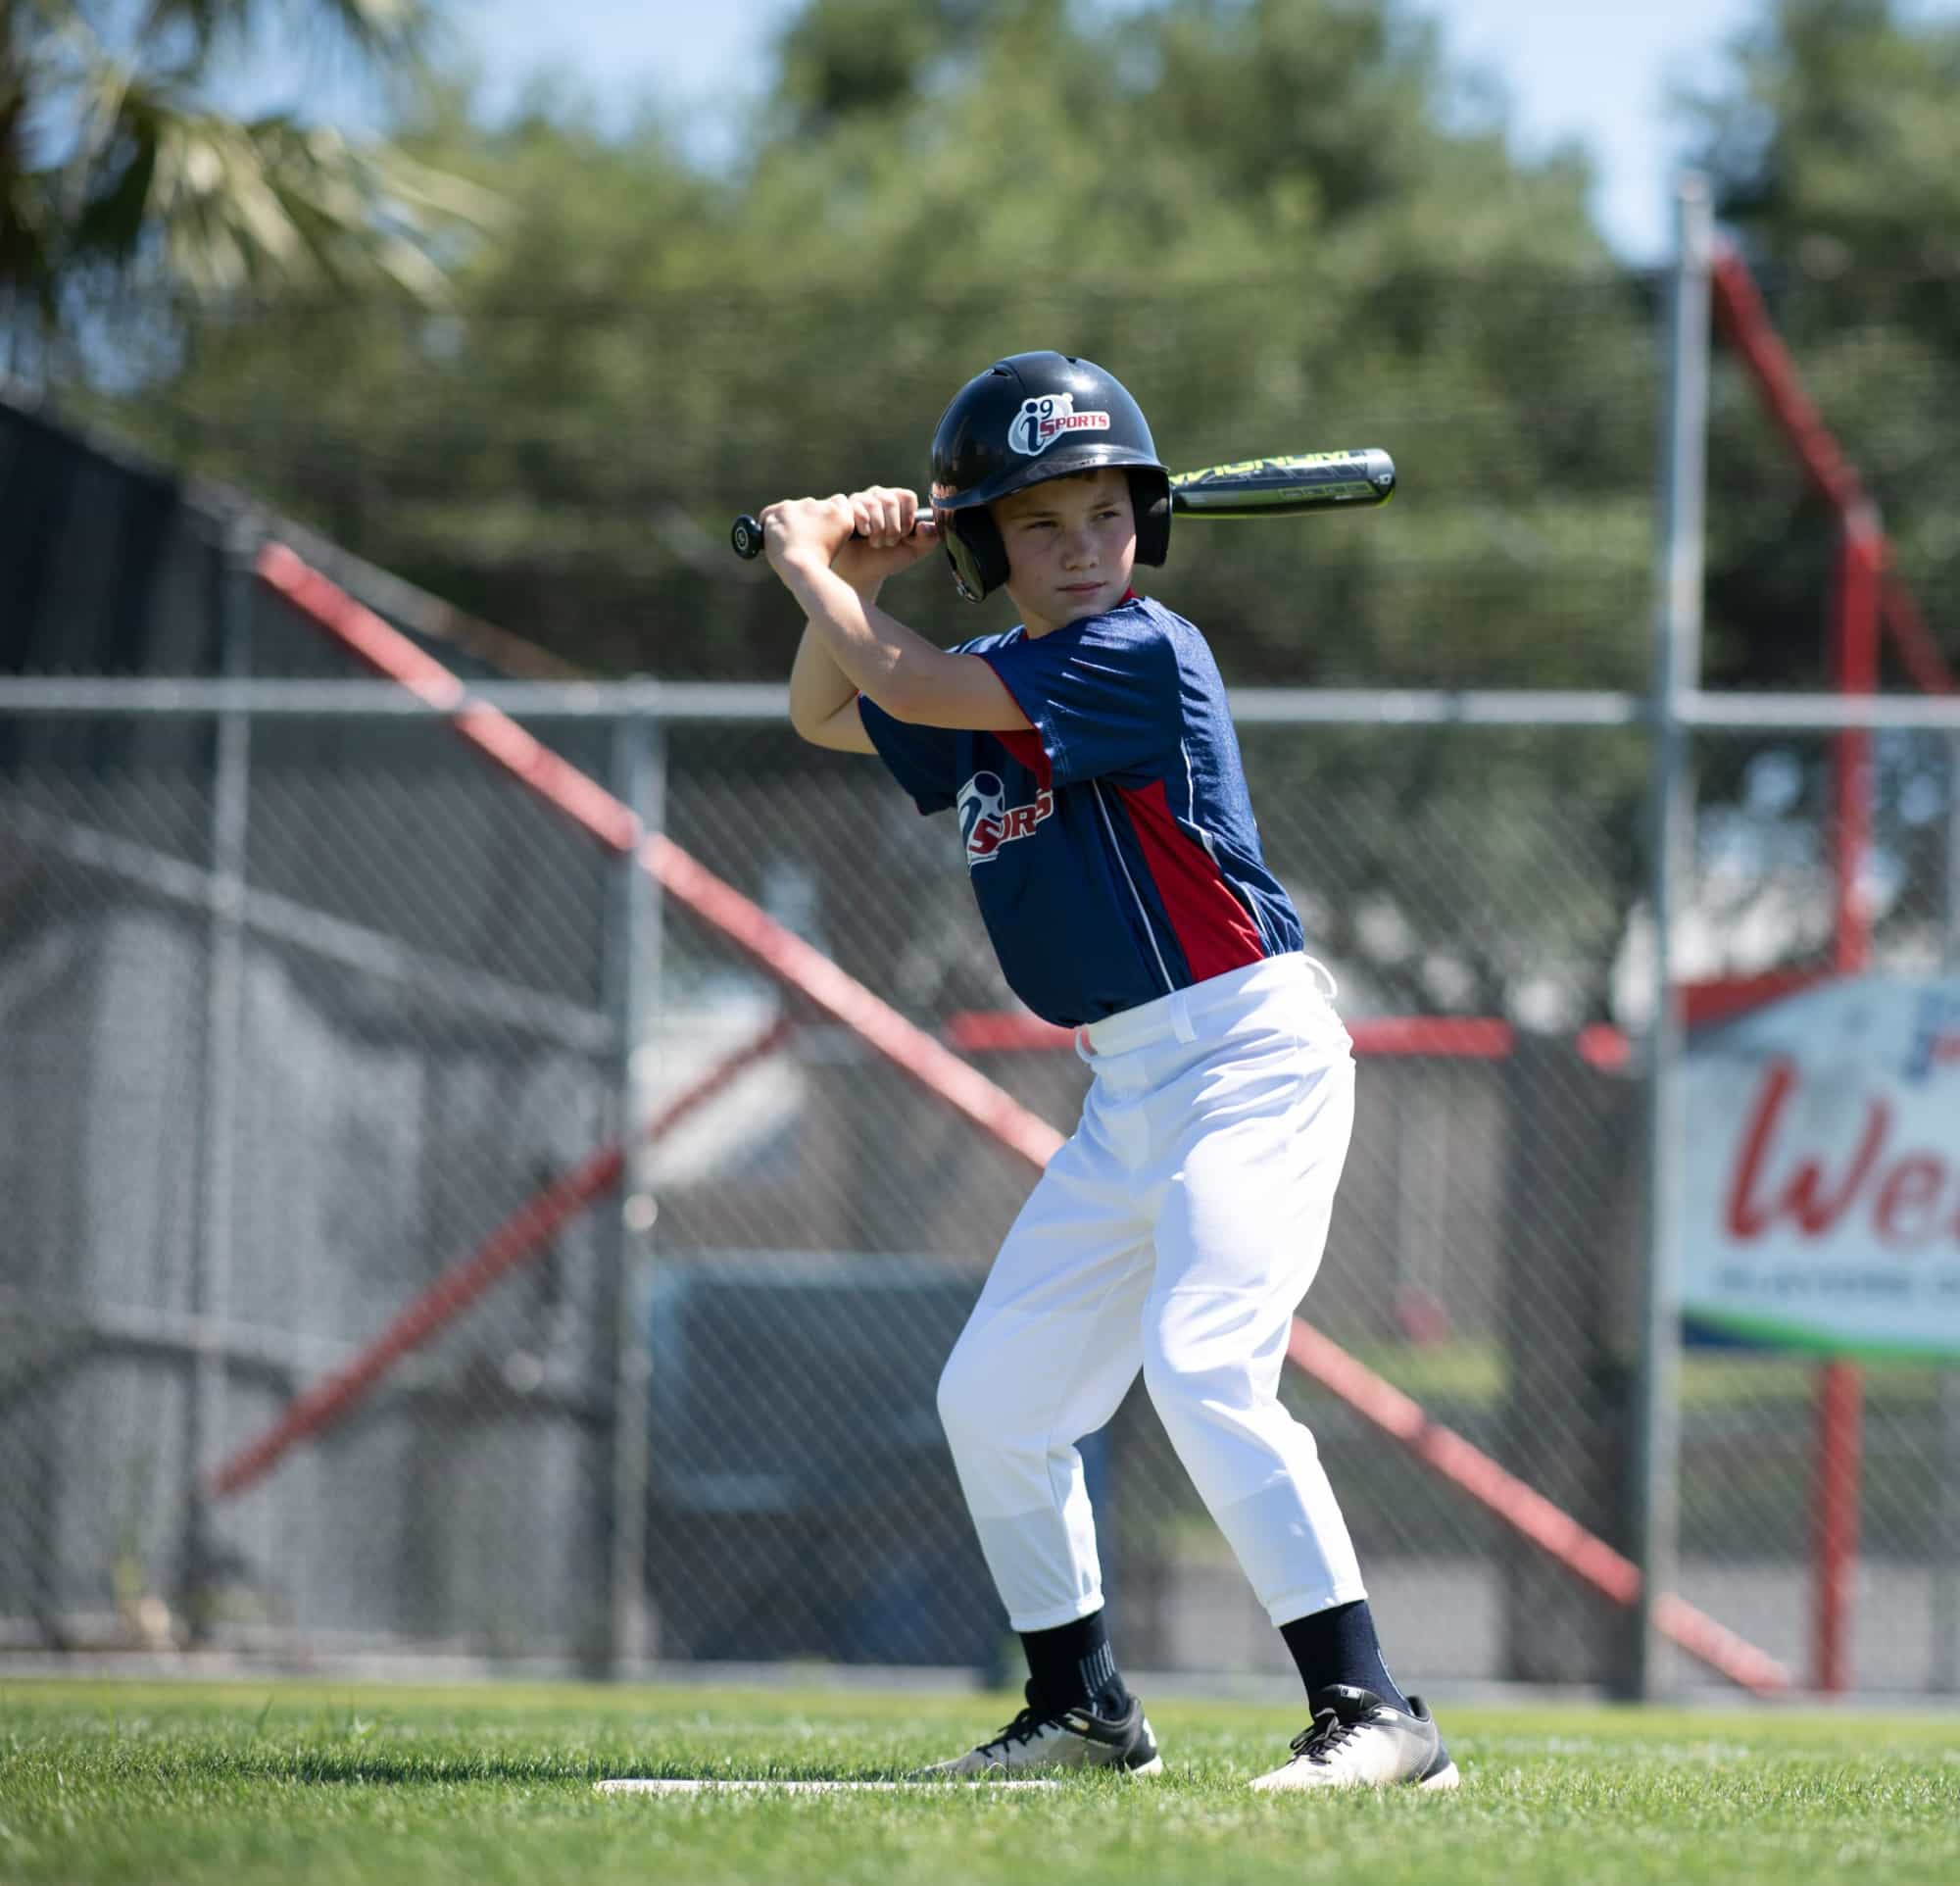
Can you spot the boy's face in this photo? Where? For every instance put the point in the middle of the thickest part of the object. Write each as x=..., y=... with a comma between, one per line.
x=1071, y=545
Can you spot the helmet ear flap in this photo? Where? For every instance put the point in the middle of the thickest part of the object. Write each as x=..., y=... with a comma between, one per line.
x=1150, y=499
x=975, y=550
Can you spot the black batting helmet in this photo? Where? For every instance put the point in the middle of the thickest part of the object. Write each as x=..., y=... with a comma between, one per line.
x=1029, y=417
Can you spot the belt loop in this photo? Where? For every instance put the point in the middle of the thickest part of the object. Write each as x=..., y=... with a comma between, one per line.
x=1322, y=974
x=1082, y=1051
x=1180, y=1015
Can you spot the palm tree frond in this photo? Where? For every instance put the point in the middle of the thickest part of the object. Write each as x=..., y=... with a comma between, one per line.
x=144, y=181
x=380, y=29
x=269, y=204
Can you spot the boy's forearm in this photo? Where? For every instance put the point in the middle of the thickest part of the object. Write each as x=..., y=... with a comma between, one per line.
x=886, y=662
x=874, y=652
x=819, y=687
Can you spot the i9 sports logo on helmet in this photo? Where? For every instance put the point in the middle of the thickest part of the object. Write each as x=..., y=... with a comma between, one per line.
x=1051, y=416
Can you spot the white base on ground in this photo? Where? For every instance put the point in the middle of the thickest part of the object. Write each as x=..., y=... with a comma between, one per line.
x=797, y=1787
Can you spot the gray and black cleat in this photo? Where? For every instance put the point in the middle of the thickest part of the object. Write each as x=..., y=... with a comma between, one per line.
x=1044, y=1741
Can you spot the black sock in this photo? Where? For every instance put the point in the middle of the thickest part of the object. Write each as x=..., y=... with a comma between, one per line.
x=1339, y=1645
x=1073, y=1667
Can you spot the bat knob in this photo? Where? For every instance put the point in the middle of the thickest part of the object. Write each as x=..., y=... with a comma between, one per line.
x=746, y=535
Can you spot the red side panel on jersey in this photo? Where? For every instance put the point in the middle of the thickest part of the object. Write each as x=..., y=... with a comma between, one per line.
x=1214, y=931
x=1025, y=744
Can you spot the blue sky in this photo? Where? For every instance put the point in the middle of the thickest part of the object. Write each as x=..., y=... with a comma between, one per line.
x=1592, y=72
x=1597, y=73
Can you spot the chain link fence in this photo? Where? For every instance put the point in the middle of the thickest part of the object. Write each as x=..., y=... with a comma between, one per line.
x=296, y=1014
x=346, y=1303
x=1764, y=899
x=1431, y=1244
x=310, y=1018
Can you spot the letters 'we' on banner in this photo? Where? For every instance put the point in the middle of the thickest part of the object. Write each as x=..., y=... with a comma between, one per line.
x=1821, y=1204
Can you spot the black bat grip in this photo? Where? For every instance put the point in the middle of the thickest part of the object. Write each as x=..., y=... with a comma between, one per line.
x=744, y=534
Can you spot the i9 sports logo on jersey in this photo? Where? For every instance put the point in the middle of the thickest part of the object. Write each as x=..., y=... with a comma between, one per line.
x=987, y=821
x=1040, y=422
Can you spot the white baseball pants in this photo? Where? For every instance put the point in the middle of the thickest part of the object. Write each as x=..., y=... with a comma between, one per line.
x=1175, y=1232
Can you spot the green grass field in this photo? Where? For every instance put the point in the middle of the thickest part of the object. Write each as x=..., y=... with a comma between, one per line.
x=337, y=1782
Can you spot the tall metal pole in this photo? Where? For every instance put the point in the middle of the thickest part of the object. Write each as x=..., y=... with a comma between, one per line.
x=223, y=1045
x=1950, y=955
x=1676, y=666
x=1944, y=1668
x=639, y=771
x=1943, y=1672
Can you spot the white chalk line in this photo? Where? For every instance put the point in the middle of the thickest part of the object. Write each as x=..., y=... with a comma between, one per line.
x=804, y=1787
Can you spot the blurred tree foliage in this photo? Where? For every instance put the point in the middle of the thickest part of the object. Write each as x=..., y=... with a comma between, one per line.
x=1282, y=224
x=1834, y=150
x=1287, y=224
x=1834, y=144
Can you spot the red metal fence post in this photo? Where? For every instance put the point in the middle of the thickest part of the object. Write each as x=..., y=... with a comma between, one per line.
x=1863, y=601
x=1854, y=669
x=1838, y=1466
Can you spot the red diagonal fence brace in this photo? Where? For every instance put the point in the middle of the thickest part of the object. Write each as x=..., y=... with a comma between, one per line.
x=522, y=1237
x=1548, y=1526
x=818, y=980
x=1745, y=324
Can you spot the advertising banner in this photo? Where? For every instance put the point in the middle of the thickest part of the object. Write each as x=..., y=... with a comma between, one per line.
x=1821, y=1204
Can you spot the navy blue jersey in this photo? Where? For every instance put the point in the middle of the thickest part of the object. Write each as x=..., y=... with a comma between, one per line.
x=1112, y=848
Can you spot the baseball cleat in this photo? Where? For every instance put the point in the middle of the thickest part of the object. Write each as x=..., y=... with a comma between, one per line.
x=1040, y=1740
x=1358, y=1741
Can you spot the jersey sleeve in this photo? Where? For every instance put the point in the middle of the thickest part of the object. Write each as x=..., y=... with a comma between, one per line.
x=1103, y=698
x=925, y=760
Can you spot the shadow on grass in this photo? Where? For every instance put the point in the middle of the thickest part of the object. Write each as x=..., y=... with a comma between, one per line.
x=326, y=1767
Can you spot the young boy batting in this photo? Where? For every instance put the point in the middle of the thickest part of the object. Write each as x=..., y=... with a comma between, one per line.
x=1113, y=854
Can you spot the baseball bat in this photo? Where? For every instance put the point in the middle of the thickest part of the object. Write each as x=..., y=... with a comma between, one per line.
x=1280, y=488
